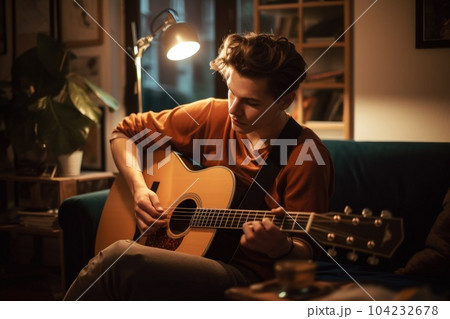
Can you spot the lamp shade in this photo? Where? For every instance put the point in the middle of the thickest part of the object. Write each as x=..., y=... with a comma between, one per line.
x=180, y=41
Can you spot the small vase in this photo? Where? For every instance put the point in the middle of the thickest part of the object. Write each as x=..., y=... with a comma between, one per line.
x=70, y=164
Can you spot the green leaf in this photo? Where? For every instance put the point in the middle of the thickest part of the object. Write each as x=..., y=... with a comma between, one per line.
x=62, y=128
x=83, y=103
x=106, y=98
x=53, y=56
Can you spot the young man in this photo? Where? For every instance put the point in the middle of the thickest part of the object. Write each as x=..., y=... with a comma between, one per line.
x=262, y=73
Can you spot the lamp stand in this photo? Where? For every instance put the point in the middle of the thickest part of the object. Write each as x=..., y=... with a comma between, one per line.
x=138, y=49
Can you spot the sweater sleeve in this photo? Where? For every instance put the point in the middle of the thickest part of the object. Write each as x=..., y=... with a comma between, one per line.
x=181, y=124
x=306, y=184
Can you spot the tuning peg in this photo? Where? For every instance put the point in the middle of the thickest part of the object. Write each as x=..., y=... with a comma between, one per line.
x=373, y=260
x=366, y=212
x=332, y=252
x=385, y=214
x=347, y=210
x=378, y=222
x=352, y=256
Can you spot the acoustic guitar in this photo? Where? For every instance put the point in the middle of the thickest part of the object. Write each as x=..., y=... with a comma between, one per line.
x=197, y=206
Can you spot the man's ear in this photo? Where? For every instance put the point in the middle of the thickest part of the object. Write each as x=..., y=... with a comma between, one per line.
x=287, y=100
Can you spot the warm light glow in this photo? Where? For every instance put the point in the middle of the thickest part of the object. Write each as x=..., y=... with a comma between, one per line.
x=183, y=50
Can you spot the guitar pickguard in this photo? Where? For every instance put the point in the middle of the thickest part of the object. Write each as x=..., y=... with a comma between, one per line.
x=158, y=238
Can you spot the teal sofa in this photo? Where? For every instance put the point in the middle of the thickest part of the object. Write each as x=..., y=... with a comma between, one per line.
x=408, y=178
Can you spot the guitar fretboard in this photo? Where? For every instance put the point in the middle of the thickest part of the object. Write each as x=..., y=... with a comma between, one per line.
x=234, y=219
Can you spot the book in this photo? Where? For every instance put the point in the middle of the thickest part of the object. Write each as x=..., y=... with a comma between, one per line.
x=45, y=213
x=286, y=25
x=39, y=219
x=335, y=107
x=319, y=39
x=324, y=105
x=332, y=76
x=320, y=107
x=326, y=30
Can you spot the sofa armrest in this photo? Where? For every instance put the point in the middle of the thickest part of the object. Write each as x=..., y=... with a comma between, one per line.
x=79, y=217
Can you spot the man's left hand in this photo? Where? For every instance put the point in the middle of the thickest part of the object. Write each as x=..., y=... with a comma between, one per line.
x=264, y=237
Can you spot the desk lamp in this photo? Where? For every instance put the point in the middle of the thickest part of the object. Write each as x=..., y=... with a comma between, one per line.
x=179, y=41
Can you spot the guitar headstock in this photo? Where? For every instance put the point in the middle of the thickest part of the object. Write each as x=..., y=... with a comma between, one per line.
x=375, y=235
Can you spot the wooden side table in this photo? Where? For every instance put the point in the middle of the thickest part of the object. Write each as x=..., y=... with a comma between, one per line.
x=37, y=192
x=49, y=192
x=322, y=291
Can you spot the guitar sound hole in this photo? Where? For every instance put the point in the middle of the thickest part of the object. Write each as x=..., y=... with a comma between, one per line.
x=181, y=216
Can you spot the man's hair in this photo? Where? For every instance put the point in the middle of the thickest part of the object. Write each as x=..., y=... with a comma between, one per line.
x=262, y=56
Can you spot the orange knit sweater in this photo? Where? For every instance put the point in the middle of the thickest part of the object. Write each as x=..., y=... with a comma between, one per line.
x=303, y=187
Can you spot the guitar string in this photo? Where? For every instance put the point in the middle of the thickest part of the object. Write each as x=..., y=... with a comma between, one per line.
x=238, y=224
x=217, y=213
x=225, y=211
x=251, y=216
x=248, y=215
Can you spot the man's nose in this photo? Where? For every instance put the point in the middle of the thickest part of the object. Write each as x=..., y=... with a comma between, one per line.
x=235, y=107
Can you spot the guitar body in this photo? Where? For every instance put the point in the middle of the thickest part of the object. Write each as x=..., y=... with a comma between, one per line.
x=176, y=186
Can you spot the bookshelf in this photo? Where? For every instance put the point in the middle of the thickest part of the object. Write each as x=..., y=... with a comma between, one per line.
x=324, y=100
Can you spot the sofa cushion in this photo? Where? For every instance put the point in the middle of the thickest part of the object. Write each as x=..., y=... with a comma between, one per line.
x=79, y=217
x=434, y=260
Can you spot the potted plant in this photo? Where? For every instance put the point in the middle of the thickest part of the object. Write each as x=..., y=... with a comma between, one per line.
x=52, y=109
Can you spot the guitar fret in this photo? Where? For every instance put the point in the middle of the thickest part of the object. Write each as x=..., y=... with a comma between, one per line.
x=294, y=221
x=257, y=215
x=193, y=221
x=235, y=219
x=288, y=222
x=253, y=216
x=298, y=225
x=226, y=221
x=236, y=222
x=206, y=217
x=232, y=221
x=209, y=219
x=240, y=223
x=221, y=213
x=216, y=217
x=221, y=219
x=198, y=219
x=239, y=220
x=283, y=222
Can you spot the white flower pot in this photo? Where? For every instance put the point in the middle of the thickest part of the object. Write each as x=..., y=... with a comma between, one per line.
x=70, y=164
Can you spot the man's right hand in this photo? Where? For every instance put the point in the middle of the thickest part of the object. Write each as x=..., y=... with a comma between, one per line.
x=148, y=210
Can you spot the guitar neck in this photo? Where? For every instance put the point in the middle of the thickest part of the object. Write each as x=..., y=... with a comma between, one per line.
x=235, y=218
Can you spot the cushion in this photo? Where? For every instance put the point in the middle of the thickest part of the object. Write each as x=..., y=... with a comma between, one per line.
x=433, y=262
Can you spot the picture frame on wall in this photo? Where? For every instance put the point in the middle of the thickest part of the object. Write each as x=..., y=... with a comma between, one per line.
x=77, y=27
x=432, y=24
x=31, y=17
x=94, y=149
x=3, y=40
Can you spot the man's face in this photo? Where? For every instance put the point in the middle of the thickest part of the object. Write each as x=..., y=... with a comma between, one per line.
x=250, y=103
